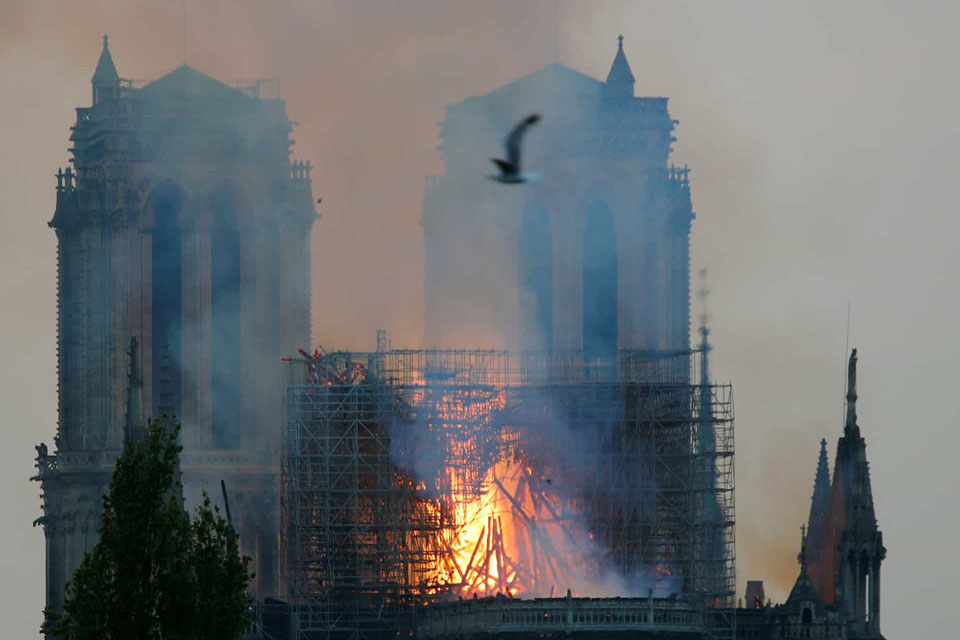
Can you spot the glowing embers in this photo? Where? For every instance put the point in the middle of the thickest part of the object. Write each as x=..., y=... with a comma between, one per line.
x=514, y=539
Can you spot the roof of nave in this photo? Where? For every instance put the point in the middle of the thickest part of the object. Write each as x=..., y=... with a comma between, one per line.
x=556, y=76
x=187, y=81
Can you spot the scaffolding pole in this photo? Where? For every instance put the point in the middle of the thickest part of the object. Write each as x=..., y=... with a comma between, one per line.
x=390, y=456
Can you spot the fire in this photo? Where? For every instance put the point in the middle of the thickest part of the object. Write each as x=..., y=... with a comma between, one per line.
x=513, y=539
x=473, y=486
x=509, y=521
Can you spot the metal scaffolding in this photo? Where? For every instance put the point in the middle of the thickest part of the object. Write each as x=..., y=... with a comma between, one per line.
x=414, y=476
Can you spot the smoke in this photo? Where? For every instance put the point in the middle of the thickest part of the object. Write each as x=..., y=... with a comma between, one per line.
x=367, y=83
x=495, y=245
x=516, y=463
x=582, y=258
x=234, y=219
x=585, y=467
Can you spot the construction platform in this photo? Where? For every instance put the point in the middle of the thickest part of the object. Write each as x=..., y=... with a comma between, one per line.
x=418, y=477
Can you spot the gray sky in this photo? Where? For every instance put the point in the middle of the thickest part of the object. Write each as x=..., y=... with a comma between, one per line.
x=823, y=140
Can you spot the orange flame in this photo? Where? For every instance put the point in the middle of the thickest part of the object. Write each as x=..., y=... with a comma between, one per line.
x=513, y=539
x=507, y=528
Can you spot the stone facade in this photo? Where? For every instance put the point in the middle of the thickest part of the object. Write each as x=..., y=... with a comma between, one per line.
x=593, y=254
x=182, y=223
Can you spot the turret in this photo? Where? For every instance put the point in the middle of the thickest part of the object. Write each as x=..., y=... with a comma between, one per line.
x=852, y=532
x=620, y=80
x=106, y=80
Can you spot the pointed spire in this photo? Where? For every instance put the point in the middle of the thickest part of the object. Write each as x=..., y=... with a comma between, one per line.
x=105, y=79
x=803, y=588
x=820, y=501
x=106, y=73
x=708, y=437
x=620, y=80
x=851, y=423
x=850, y=469
x=131, y=427
x=703, y=293
x=816, y=550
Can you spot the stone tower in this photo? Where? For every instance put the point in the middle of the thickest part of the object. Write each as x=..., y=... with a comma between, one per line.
x=592, y=255
x=181, y=224
x=845, y=568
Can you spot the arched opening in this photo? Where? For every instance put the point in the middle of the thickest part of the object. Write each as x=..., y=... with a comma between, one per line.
x=868, y=595
x=851, y=584
x=226, y=322
x=166, y=295
x=535, y=261
x=599, y=282
x=865, y=579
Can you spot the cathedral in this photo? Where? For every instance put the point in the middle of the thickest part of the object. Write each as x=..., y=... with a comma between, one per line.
x=592, y=255
x=183, y=228
x=183, y=232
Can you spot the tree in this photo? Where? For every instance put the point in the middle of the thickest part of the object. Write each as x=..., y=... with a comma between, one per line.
x=155, y=574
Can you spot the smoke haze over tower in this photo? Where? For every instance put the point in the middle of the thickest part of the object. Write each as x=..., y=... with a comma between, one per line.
x=182, y=230
x=594, y=254
x=824, y=149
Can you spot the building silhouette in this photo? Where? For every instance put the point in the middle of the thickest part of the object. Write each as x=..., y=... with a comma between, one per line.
x=837, y=594
x=183, y=229
x=845, y=568
x=184, y=276
x=592, y=255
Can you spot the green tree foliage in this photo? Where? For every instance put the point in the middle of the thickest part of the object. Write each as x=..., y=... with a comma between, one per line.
x=155, y=574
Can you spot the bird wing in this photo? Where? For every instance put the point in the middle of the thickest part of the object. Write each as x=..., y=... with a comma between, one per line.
x=516, y=136
x=505, y=167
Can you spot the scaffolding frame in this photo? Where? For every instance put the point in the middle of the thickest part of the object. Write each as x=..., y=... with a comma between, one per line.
x=366, y=525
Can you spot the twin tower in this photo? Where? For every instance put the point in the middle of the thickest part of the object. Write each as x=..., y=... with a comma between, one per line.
x=183, y=274
x=183, y=229
x=594, y=254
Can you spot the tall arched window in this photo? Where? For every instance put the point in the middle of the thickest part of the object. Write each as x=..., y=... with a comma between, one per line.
x=599, y=282
x=226, y=323
x=166, y=296
x=535, y=251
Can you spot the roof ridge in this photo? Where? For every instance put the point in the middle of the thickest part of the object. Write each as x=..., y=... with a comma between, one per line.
x=189, y=80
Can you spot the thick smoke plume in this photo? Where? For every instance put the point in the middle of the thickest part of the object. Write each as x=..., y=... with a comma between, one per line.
x=781, y=109
x=512, y=454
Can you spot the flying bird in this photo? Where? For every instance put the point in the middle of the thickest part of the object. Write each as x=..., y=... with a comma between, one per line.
x=510, y=168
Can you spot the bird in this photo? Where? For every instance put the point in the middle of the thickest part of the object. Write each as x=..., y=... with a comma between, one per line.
x=510, y=168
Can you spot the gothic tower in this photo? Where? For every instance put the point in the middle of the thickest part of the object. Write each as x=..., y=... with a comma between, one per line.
x=846, y=566
x=183, y=229
x=592, y=255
